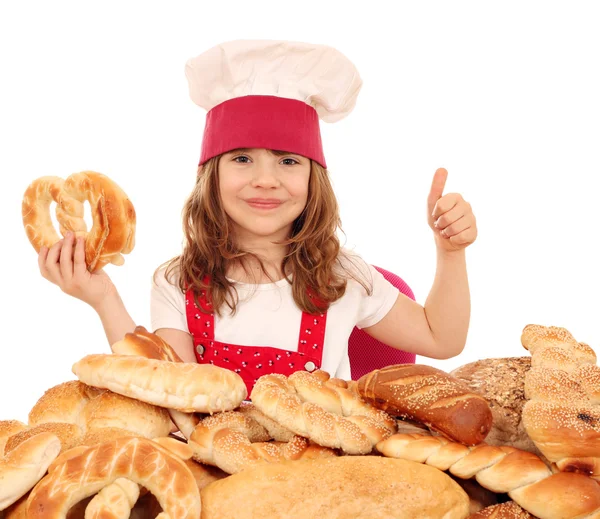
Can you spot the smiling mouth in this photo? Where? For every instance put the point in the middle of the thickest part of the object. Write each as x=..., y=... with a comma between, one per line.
x=263, y=203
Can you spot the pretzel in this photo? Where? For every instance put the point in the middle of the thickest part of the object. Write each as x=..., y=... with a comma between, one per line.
x=234, y=441
x=25, y=465
x=114, y=220
x=323, y=410
x=137, y=459
x=562, y=414
x=523, y=475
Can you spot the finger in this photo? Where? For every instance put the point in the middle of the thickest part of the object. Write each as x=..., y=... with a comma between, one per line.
x=437, y=188
x=79, y=266
x=464, y=238
x=456, y=227
x=454, y=213
x=66, y=258
x=52, y=266
x=42, y=256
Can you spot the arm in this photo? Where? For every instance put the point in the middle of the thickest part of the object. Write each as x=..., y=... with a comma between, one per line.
x=180, y=341
x=114, y=317
x=64, y=265
x=439, y=329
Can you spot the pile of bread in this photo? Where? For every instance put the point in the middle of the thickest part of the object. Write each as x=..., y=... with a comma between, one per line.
x=141, y=434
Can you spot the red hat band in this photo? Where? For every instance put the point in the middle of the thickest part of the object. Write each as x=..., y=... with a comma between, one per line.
x=257, y=121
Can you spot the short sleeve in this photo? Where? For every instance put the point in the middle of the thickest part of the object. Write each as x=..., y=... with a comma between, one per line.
x=371, y=308
x=167, y=304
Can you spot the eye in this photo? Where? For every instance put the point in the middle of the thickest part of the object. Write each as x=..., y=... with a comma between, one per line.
x=293, y=160
x=241, y=157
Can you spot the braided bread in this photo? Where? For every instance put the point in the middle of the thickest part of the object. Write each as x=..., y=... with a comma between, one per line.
x=136, y=459
x=323, y=411
x=25, y=465
x=113, y=230
x=562, y=415
x=523, y=475
x=234, y=441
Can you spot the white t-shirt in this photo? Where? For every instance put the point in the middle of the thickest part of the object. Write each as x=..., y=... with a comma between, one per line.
x=267, y=314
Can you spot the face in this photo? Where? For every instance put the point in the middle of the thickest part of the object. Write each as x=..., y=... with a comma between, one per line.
x=263, y=193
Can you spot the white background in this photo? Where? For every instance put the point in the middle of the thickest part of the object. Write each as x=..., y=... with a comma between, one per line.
x=505, y=95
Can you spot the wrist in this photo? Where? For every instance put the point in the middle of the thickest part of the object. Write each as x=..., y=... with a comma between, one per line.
x=451, y=255
x=107, y=303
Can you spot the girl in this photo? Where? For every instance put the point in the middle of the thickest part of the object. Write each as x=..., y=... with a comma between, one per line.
x=262, y=285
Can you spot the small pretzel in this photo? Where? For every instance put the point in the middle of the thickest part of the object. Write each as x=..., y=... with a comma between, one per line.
x=322, y=410
x=113, y=230
x=234, y=441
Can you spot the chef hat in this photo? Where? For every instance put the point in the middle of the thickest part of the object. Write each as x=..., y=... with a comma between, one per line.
x=270, y=94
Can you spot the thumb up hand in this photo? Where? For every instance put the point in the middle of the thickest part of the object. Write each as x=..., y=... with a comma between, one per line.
x=449, y=216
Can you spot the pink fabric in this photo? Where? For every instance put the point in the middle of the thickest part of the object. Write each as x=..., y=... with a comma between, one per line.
x=269, y=122
x=366, y=353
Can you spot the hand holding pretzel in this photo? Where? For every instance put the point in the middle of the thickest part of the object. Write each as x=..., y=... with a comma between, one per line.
x=113, y=230
x=75, y=262
x=450, y=216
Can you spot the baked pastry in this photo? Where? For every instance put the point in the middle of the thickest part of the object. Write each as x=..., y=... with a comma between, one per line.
x=501, y=381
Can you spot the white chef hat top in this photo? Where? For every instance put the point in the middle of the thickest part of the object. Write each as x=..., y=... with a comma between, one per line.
x=259, y=74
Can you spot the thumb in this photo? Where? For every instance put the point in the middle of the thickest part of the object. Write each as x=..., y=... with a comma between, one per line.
x=437, y=188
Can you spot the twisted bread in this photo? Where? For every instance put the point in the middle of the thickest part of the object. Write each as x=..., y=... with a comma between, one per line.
x=25, y=465
x=183, y=386
x=431, y=396
x=113, y=230
x=326, y=413
x=137, y=459
x=523, y=475
x=562, y=416
x=234, y=441
x=274, y=430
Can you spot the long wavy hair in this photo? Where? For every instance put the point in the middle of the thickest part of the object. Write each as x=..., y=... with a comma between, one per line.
x=313, y=248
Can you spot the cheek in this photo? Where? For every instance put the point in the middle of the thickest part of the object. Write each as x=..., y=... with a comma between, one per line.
x=299, y=189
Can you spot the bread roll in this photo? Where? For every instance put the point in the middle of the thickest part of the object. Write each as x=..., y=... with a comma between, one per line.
x=25, y=465
x=431, y=396
x=62, y=403
x=183, y=386
x=348, y=487
x=110, y=409
x=508, y=510
x=7, y=429
x=501, y=381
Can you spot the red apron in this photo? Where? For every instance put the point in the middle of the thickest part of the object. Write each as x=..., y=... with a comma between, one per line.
x=251, y=362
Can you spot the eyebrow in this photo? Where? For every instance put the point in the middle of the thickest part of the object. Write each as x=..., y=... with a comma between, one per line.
x=277, y=152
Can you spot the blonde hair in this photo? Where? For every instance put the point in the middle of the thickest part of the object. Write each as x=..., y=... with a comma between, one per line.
x=313, y=246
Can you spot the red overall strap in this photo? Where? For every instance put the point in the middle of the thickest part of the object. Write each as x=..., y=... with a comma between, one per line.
x=310, y=339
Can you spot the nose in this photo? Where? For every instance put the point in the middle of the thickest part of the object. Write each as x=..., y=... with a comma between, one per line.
x=265, y=176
